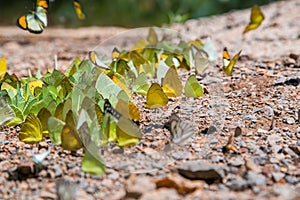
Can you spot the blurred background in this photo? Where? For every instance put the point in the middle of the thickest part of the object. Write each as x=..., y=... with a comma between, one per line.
x=125, y=13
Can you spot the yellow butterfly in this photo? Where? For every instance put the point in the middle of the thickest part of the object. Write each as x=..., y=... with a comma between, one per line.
x=256, y=19
x=78, y=10
x=228, y=63
x=31, y=131
x=171, y=83
x=156, y=97
x=70, y=139
x=35, y=21
x=193, y=88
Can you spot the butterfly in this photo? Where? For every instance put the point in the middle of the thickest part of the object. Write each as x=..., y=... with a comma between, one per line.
x=6, y=113
x=97, y=61
x=179, y=129
x=229, y=146
x=78, y=10
x=156, y=97
x=256, y=19
x=228, y=63
x=125, y=124
x=35, y=21
x=171, y=83
x=193, y=88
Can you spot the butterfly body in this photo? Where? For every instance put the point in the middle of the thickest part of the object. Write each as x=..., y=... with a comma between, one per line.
x=124, y=124
x=78, y=10
x=97, y=61
x=180, y=130
x=35, y=21
x=256, y=19
x=228, y=63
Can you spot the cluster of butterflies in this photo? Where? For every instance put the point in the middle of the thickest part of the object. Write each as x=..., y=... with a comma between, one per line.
x=36, y=21
x=180, y=130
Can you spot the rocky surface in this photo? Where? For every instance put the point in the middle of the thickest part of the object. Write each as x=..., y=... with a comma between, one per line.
x=262, y=98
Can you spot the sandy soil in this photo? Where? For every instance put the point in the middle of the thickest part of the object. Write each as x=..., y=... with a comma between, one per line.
x=267, y=166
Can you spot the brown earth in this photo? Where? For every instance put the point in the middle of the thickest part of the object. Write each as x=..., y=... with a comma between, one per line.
x=266, y=80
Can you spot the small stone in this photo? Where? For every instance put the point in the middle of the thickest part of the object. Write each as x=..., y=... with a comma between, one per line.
x=70, y=165
x=290, y=120
x=12, y=150
x=290, y=152
x=57, y=171
x=44, y=145
x=202, y=170
x=296, y=149
x=251, y=165
x=284, y=191
x=294, y=56
x=291, y=179
x=138, y=186
x=277, y=176
x=117, y=150
x=237, y=183
x=161, y=193
x=255, y=179
x=236, y=161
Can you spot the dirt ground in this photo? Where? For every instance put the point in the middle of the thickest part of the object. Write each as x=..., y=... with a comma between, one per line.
x=266, y=83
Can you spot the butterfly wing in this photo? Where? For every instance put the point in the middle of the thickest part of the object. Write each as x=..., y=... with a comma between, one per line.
x=43, y=3
x=31, y=131
x=179, y=129
x=78, y=10
x=97, y=61
x=171, y=83
x=193, y=88
x=156, y=97
x=229, y=64
x=36, y=21
x=256, y=19
x=6, y=113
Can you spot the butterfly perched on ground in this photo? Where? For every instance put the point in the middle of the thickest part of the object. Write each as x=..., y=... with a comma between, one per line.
x=228, y=63
x=35, y=21
x=125, y=124
x=180, y=130
x=256, y=19
x=6, y=113
x=78, y=10
x=97, y=61
x=230, y=146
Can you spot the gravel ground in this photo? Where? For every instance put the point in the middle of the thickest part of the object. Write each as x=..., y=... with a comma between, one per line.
x=262, y=98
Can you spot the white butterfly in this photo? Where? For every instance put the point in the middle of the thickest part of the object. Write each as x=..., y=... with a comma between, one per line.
x=180, y=130
x=6, y=113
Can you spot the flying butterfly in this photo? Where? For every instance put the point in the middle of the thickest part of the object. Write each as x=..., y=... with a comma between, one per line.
x=180, y=130
x=36, y=21
x=228, y=63
x=78, y=10
x=256, y=19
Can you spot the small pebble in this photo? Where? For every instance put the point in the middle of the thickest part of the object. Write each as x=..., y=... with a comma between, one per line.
x=290, y=120
x=277, y=176
x=291, y=179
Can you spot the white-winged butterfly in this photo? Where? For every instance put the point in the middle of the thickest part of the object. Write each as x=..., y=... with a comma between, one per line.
x=180, y=130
